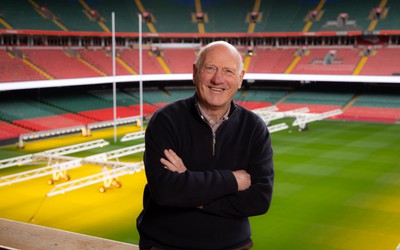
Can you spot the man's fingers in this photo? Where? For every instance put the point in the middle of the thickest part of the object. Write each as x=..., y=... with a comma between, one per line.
x=171, y=155
x=173, y=162
x=168, y=165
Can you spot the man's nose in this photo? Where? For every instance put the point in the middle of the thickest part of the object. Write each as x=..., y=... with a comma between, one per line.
x=218, y=77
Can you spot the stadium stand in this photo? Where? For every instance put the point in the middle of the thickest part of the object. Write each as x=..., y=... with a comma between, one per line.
x=125, y=14
x=154, y=96
x=267, y=60
x=377, y=107
x=75, y=102
x=8, y=130
x=107, y=114
x=123, y=98
x=374, y=114
x=12, y=109
x=102, y=60
x=81, y=15
x=384, y=62
x=179, y=60
x=95, y=62
x=259, y=98
x=325, y=98
x=313, y=108
x=150, y=63
x=378, y=100
x=71, y=14
x=180, y=93
x=148, y=109
x=261, y=95
x=13, y=69
x=315, y=101
x=220, y=17
x=274, y=21
x=76, y=67
x=180, y=21
x=338, y=61
x=36, y=115
x=355, y=16
x=390, y=20
x=86, y=52
x=53, y=122
x=22, y=15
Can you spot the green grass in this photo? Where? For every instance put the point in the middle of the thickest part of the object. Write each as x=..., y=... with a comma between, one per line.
x=337, y=187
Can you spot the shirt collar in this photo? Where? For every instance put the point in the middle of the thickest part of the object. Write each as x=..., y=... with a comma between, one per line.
x=207, y=117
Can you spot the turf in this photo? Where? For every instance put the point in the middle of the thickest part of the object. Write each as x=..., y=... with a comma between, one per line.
x=337, y=187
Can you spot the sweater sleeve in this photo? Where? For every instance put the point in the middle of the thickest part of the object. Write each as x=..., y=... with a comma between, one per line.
x=257, y=199
x=189, y=189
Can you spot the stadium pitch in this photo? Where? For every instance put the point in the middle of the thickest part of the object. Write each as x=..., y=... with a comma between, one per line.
x=337, y=187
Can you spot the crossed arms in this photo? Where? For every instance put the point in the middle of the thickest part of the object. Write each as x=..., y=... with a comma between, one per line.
x=175, y=164
x=222, y=192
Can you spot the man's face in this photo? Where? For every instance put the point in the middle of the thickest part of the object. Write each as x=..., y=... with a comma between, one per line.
x=218, y=78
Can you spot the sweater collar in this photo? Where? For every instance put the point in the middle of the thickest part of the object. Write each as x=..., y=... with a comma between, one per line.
x=226, y=116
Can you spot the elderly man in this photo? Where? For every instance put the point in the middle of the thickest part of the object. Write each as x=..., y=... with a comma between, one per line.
x=208, y=163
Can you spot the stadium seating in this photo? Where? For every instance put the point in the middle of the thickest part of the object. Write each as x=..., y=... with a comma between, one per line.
x=254, y=105
x=53, y=122
x=179, y=60
x=76, y=102
x=148, y=109
x=123, y=97
x=58, y=64
x=74, y=16
x=170, y=16
x=220, y=17
x=383, y=100
x=22, y=15
x=107, y=114
x=8, y=130
x=319, y=97
x=150, y=63
x=12, y=69
x=274, y=21
x=71, y=14
x=372, y=114
x=95, y=62
x=391, y=20
x=313, y=108
x=102, y=61
x=180, y=93
x=271, y=60
x=260, y=95
x=154, y=96
x=344, y=62
x=384, y=62
x=13, y=109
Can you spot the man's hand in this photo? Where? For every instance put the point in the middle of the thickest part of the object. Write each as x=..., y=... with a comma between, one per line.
x=173, y=162
x=243, y=179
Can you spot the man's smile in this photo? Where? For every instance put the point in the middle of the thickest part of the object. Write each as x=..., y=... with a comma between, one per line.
x=216, y=89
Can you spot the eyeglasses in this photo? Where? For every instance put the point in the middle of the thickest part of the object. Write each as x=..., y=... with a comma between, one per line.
x=227, y=72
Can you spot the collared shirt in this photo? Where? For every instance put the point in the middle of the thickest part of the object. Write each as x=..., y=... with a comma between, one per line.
x=213, y=124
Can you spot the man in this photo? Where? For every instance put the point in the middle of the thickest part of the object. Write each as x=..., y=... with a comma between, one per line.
x=208, y=162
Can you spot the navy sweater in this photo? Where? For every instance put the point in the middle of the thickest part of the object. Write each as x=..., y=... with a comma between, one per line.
x=171, y=217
